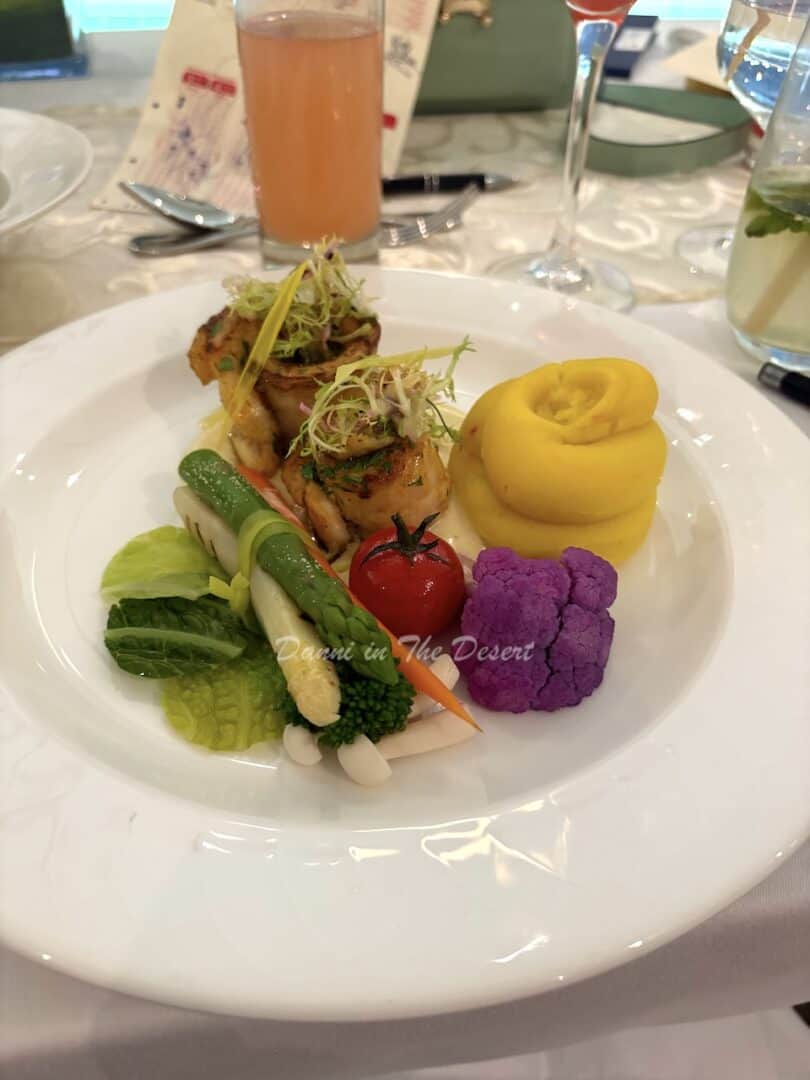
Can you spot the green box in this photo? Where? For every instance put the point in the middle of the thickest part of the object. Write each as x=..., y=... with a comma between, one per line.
x=524, y=60
x=33, y=30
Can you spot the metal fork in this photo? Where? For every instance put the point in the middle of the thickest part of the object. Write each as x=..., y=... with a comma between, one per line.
x=424, y=226
x=392, y=235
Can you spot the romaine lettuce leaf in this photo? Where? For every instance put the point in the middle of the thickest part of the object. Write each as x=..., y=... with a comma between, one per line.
x=171, y=636
x=232, y=706
x=162, y=562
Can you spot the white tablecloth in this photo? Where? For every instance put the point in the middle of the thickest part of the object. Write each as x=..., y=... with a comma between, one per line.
x=755, y=955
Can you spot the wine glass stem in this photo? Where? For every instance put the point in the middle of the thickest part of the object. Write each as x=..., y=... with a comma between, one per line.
x=593, y=38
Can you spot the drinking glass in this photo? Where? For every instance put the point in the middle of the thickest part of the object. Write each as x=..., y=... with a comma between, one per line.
x=754, y=50
x=768, y=284
x=312, y=78
x=596, y=23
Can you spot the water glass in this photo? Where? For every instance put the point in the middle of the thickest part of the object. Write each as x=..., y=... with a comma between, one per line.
x=768, y=285
x=754, y=51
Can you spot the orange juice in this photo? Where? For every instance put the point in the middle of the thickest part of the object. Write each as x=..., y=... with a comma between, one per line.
x=313, y=99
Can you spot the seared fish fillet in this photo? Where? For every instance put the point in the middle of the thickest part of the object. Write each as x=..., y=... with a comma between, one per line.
x=321, y=511
x=224, y=335
x=406, y=478
x=284, y=386
x=254, y=430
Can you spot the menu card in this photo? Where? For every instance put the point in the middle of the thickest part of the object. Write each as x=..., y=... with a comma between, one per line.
x=191, y=136
x=409, y=26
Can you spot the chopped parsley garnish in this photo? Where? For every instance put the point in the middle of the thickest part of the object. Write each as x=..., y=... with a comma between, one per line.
x=355, y=472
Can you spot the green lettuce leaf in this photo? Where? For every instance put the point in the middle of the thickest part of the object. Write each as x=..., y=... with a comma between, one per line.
x=232, y=706
x=171, y=636
x=162, y=562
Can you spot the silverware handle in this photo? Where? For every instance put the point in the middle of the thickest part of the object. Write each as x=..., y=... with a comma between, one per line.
x=178, y=243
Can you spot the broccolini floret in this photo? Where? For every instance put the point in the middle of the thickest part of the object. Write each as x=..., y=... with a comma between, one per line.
x=367, y=707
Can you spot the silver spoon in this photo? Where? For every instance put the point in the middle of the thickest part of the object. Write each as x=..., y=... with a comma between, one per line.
x=192, y=212
x=178, y=242
x=198, y=214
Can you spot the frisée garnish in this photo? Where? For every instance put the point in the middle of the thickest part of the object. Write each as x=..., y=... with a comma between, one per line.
x=325, y=296
x=381, y=394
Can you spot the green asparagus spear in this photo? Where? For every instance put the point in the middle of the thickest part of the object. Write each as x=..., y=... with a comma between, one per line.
x=339, y=622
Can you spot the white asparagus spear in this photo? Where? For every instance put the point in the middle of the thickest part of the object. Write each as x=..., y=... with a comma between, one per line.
x=435, y=732
x=311, y=678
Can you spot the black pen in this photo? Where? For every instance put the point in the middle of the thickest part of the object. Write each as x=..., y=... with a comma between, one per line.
x=432, y=182
x=792, y=384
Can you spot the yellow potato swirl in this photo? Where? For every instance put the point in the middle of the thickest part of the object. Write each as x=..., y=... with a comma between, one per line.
x=566, y=455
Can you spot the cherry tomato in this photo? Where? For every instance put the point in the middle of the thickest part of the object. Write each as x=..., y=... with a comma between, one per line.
x=412, y=581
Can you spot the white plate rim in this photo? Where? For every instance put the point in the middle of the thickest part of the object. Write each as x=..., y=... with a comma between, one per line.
x=67, y=131
x=794, y=823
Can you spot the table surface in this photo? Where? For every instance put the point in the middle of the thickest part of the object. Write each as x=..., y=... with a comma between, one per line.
x=754, y=955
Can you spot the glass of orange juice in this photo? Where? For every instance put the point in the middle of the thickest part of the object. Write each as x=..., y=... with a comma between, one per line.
x=312, y=79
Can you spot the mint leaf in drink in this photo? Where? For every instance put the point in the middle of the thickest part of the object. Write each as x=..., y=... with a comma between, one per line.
x=765, y=224
x=774, y=221
x=781, y=207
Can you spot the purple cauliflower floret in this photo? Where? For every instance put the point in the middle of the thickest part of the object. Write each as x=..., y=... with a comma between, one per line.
x=500, y=685
x=593, y=580
x=536, y=633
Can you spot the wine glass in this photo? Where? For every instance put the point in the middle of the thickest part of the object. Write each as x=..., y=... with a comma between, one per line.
x=596, y=23
x=754, y=50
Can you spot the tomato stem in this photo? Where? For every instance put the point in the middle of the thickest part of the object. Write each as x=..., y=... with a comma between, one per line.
x=409, y=544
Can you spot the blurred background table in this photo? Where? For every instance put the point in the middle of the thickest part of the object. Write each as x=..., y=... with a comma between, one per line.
x=753, y=956
x=77, y=257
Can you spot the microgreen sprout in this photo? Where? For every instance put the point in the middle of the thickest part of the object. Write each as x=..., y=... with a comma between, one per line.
x=325, y=296
x=378, y=396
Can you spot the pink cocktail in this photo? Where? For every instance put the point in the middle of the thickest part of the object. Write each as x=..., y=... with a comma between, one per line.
x=313, y=102
x=599, y=9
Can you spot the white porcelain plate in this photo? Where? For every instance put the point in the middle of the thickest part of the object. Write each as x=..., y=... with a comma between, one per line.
x=41, y=162
x=548, y=849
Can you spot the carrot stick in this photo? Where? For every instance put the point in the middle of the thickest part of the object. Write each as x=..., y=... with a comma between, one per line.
x=418, y=674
